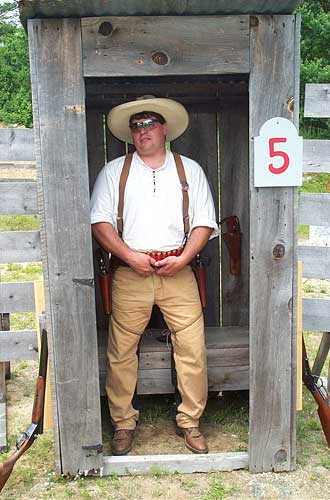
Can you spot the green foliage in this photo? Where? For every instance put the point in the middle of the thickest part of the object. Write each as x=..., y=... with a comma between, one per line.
x=15, y=93
x=315, y=59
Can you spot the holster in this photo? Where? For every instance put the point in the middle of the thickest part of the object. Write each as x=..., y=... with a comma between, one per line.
x=232, y=239
x=200, y=273
x=105, y=286
x=104, y=274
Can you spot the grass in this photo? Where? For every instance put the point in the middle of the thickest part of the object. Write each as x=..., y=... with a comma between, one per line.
x=19, y=223
x=218, y=490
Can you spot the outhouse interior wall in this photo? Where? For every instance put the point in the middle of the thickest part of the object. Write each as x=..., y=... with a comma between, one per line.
x=217, y=138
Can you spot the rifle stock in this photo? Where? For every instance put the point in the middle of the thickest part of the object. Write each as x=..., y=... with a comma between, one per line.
x=25, y=440
x=319, y=393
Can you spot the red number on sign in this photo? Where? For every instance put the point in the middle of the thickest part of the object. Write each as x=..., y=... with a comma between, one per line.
x=281, y=154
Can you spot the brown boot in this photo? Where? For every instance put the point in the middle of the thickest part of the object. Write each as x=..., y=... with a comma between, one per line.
x=193, y=439
x=122, y=441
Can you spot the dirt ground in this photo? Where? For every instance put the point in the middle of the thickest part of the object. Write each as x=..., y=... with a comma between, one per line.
x=35, y=477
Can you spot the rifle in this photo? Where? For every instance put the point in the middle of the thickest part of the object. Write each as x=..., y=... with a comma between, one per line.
x=26, y=439
x=315, y=385
x=232, y=239
x=104, y=281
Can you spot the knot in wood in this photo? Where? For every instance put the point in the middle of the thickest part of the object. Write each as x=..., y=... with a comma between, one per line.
x=290, y=104
x=279, y=251
x=105, y=29
x=159, y=58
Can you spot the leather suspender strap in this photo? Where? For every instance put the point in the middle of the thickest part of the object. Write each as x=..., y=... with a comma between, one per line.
x=122, y=184
x=185, y=196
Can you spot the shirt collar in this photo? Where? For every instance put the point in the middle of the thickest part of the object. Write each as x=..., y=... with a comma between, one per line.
x=162, y=167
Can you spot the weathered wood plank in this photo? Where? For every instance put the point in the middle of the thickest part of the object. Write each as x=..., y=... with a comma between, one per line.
x=18, y=198
x=316, y=261
x=158, y=381
x=19, y=246
x=61, y=153
x=316, y=156
x=317, y=100
x=234, y=182
x=16, y=297
x=215, y=357
x=18, y=345
x=192, y=45
x=174, y=463
x=314, y=209
x=316, y=314
x=322, y=354
x=16, y=144
x=272, y=282
x=199, y=142
x=96, y=160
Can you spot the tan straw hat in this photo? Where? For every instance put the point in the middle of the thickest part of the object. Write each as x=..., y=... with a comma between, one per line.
x=173, y=112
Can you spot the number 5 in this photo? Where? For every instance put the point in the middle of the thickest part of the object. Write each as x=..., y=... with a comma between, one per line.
x=281, y=154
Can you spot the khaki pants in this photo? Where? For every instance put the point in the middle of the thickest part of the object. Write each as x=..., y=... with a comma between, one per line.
x=177, y=297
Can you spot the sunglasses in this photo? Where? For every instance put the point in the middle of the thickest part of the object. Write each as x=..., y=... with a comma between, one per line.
x=147, y=124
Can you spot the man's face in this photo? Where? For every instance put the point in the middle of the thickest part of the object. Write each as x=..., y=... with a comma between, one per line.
x=148, y=135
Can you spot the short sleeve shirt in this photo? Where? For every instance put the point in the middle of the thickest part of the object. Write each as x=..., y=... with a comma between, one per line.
x=152, y=217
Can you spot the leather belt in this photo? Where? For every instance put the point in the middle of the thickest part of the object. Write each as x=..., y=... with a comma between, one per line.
x=115, y=261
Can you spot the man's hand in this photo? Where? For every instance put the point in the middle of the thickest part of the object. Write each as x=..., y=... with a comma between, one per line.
x=169, y=266
x=141, y=263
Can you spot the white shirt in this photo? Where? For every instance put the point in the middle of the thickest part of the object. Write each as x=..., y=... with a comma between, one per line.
x=152, y=218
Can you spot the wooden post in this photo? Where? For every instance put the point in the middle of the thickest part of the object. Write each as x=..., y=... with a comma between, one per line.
x=273, y=80
x=61, y=154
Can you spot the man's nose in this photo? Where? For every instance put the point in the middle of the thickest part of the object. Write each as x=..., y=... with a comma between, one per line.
x=142, y=130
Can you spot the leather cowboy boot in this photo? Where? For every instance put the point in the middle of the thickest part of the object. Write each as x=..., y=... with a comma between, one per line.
x=194, y=439
x=122, y=441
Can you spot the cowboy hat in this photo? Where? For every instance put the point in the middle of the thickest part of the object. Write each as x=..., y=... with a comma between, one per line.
x=173, y=112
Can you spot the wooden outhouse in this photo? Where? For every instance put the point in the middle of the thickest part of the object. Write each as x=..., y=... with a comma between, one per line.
x=234, y=65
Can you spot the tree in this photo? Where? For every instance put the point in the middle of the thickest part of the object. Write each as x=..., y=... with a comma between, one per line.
x=15, y=90
x=315, y=57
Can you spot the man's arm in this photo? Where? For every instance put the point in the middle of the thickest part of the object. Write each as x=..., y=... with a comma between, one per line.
x=197, y=240
x=107, y=236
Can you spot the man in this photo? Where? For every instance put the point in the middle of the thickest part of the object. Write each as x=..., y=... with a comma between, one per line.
x=147, y=225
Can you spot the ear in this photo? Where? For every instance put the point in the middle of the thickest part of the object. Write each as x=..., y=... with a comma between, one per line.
x=165, y=129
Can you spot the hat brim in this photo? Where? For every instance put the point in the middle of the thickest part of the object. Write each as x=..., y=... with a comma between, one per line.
x=174, y=113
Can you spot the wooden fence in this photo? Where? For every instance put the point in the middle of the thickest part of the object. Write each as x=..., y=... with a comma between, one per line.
x=315, y=210
x=20, y=197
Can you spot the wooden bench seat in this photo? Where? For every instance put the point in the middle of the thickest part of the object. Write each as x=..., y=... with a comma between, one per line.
x=227, y=358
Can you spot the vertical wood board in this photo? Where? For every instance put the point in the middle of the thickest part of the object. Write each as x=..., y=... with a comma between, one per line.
x=96, y=161
x=234, y=199
x=272, y=293
x=61, y=150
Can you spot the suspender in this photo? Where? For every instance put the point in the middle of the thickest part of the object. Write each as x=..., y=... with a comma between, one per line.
x=183, y=181
x=122, y=184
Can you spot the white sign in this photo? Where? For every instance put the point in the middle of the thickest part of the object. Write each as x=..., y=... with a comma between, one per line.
x=278, y=152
